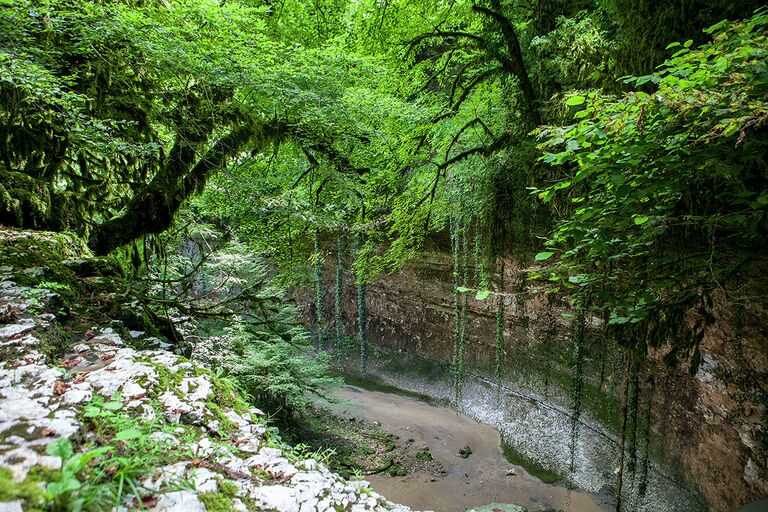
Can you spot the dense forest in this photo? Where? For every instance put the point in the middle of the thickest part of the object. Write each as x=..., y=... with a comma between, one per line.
x=228, y=155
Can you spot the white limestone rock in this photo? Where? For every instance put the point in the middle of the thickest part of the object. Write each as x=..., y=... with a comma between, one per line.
x=179, y=501
x=11, y=506
x=22, y=326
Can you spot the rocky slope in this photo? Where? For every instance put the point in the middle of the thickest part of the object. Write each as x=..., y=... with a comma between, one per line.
x=105, y=418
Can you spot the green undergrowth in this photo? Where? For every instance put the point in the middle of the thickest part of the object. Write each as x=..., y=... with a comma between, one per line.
x=224, y=395
x=31, y=491
x=221, y=500
x=106, y=464
x=351, y=448
x=120, y=447
x=117, y=448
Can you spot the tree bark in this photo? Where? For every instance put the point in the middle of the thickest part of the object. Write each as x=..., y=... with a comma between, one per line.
x=514, y=64
x=152, y=209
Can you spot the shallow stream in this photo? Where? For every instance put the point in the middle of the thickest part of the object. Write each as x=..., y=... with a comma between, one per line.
x=484, y=477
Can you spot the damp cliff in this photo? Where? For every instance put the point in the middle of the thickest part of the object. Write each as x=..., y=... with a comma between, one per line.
x=705, y=413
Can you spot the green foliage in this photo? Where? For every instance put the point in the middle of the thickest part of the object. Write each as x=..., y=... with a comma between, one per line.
x=338, y=305
x=31, y=491
x=275, y=371
x=217, y=293
x=402, y=125
x=66, y=491
x=643, y=172
x=645, y=27
x=99, y=473
x=87, y=131
x=317, y=277
x=303, y=451
x=362, y=310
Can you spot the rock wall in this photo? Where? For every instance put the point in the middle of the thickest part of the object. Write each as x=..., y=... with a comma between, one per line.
x=708, y=428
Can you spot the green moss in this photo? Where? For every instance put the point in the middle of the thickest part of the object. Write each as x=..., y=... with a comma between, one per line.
x=226, y=425
x=226, y=394
x=36, y=258
x=167, y=380
x=228, y=488
x=532, y=467
x=55, y=342
x=217, y=502
x=221, y=501
x=600, y=405
x=423, y=455
x=31, y=491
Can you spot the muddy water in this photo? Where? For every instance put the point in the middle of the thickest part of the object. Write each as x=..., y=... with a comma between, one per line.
x=477, y=480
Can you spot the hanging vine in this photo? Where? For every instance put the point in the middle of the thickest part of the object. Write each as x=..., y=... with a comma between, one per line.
x=319, y=291
x=547, y=343
x=362, y=311
x=480, y=255
x=339, y=319
x=633, y=412
x=622, y=437
x=577, y=380
x=498, y=352
x=645, y=438
x=461, y=363
x=455, y=228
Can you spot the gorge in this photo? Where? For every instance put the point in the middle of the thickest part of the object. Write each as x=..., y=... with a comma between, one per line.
x=693, y=439
x=248, y=246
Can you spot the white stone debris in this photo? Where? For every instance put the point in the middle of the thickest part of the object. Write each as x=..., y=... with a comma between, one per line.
x=40, y=403
x=180, y=501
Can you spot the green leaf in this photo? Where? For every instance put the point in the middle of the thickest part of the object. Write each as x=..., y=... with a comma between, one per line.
x=113, y=406
x=575, y=101
x=542, y=256
x=61, y=448
x=641, y=220
x=546, y=196
x=463, y=289
x=125, y=435
x=482, y=294
x=62, y=487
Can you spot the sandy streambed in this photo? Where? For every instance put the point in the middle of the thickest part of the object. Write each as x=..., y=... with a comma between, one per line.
x=479, y=479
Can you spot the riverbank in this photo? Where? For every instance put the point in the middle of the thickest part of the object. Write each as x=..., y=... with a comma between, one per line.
x=445, y=461
x=535, y=429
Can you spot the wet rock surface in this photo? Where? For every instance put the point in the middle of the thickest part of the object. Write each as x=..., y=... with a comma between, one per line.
x=231, y=460
x=709, y=426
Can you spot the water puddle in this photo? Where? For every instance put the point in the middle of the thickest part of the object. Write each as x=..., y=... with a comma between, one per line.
x=484, y=477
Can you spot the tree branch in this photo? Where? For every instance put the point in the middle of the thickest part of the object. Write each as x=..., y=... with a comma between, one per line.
x=152, y=209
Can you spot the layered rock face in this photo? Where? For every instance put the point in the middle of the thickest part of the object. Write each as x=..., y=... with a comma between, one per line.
x=708, y=420
x=77, y=417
